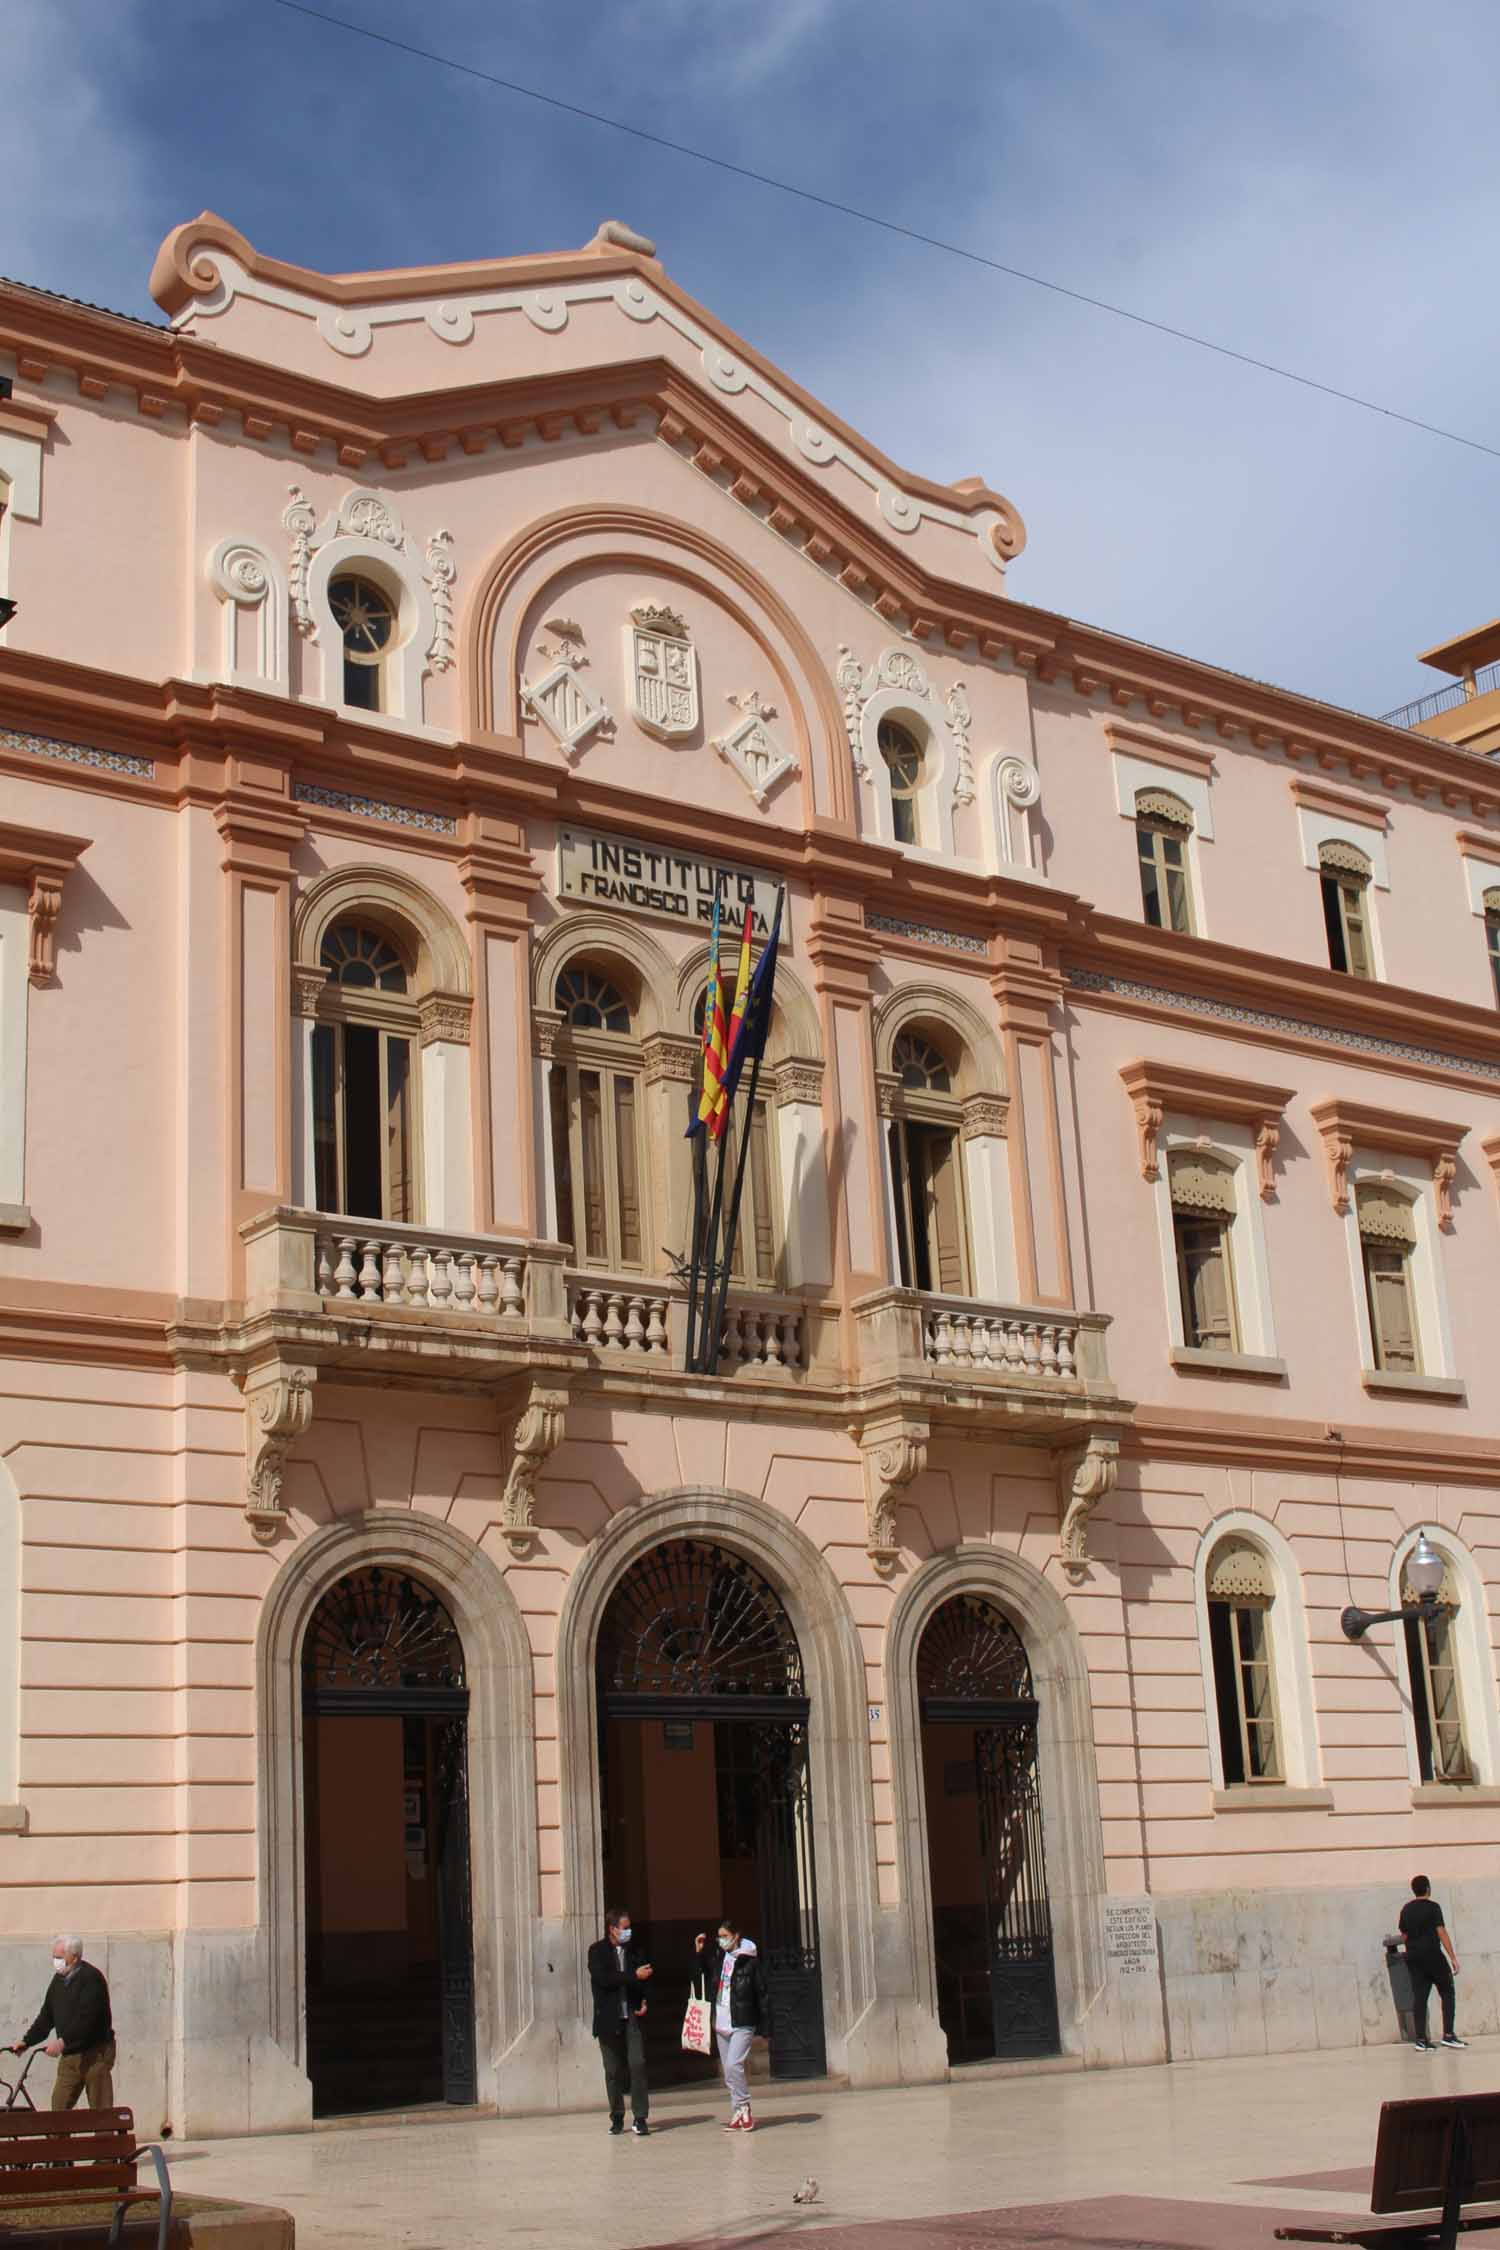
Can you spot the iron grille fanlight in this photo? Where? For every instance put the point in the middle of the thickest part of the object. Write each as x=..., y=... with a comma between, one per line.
x=380, y=1629
x=688, y=1619
x=971, y=1653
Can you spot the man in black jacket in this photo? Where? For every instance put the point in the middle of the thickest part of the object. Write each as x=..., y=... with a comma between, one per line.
x=75, y=2011
x=619, y=1975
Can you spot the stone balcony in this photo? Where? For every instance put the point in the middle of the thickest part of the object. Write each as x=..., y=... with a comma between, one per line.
x=1038, y=1357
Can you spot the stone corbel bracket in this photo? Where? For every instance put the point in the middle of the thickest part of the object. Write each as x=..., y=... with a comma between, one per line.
x=278, y=1411
x=1084, y=1476
x=894, y=1453
x=1346, y=1126
x=1155, y=1088
x=42, y=859
x=539, y=1433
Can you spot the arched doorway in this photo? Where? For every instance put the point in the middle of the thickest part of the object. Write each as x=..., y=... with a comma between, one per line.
x=390, y=1951
x=992, y=1923
x=705, y=1788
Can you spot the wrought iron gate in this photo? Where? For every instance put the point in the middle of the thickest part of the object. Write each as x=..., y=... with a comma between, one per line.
x=1018, y=1918
x=455, y=1913
x=973, y=1673
x=693, y=1633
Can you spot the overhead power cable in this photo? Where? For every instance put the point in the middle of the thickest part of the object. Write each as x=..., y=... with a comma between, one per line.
x=873, y=219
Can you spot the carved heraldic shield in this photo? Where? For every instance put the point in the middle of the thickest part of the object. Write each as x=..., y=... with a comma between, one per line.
x=663, y=670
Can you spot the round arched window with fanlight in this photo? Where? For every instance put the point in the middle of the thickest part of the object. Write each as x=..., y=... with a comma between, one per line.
x=594, y=1095
x=904, y=760
x=925, y=1147
x=364, y=1047
x=366, y=618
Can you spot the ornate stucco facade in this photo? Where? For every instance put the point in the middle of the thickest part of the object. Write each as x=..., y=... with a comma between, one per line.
x=1082, y=1245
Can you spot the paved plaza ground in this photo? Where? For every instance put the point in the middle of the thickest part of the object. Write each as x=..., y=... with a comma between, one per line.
x=1207, y=2154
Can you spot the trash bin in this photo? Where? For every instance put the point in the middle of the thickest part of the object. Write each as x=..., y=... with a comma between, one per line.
x=1403, y=1998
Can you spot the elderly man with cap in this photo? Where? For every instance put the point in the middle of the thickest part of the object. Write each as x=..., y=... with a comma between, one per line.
x=74, y=2020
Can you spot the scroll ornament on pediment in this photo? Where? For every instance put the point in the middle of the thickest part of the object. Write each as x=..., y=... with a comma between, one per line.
x=564, y=703
x=752, y=750
x=661, y=666
x=368, y=517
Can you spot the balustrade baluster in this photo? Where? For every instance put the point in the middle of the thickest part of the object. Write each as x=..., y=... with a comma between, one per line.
x=771, y=1339
x=791, y=1339
x=593, y=1319
x=512, y=1303
x=487, y=1283
x=440, y=1284
x=369, y=1271
x=656, y=1326
x=1049, y=1350
x=940, y=1338
x=1067, y=1360
x=346, y=1273
x=325, y=1268
x=635, y=1326
x=614, y=1327
x=464, y=1265
x=416, y=1276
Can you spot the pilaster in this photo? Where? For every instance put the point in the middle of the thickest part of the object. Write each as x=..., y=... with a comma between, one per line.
x=499, y=883
x=1028, y=989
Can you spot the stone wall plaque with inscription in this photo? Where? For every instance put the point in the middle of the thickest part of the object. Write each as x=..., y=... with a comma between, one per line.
x=597, y=870
x=1130, y=1936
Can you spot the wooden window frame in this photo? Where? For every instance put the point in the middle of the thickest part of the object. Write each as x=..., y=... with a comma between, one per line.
x=615, y=1061
x=1424, y=1670
x=1347, y=921
x=340, y=1012
x=918, y=1116
x=1152, y=835
x=905, y=801
x=1492, y=946
x=1378, y=1249
x=360, y=664
x=1229, y=1621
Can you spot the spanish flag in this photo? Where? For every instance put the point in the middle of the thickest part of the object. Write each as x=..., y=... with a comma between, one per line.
x=711, y=1105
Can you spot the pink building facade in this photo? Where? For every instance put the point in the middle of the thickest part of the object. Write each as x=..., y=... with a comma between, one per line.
x=400, y=663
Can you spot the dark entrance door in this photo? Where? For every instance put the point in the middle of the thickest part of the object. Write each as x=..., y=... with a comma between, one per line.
x=992, y=1924
x=707, y=1799
x=390, y=1960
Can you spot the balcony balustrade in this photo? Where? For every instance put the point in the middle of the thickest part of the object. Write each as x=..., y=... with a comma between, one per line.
x=911, y=1334
x=407, y=1266
x=632, y=1317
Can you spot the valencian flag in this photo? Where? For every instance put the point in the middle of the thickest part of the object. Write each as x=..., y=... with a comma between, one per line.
x=711, y=1108
x=742, y=983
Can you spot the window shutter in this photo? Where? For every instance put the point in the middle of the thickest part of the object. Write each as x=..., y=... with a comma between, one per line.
x=398, y=1164
x=591, y=1136
x=1390, y=1309
x=325, y=1118
x=562, y=1160
x=760, y=1195
x=627, y=1157
x=1204, y=1278
x=944, y=1211
x=901, y=1197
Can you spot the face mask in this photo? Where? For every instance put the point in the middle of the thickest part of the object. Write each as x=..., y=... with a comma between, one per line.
x=622, y=1935
x=727, y=1944
x=59, y=1964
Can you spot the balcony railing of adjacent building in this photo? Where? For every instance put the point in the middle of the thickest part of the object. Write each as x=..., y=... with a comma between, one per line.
x=1444, y=698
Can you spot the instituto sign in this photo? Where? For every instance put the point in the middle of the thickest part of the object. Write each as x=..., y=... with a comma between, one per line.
x=650, y=879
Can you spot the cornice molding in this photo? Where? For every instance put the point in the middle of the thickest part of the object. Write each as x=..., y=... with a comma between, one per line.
x=1146, y=743
x=1155, y=1087
x=1160, y=1433
x=1346, y=1126
x=1344, y=804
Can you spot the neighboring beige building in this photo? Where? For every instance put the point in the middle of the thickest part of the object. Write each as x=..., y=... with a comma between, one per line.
x=401, y=662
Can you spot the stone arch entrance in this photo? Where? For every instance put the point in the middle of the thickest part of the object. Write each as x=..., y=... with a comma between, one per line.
x=837, y=1755
x=1072, y=1839
x=705, y=1784
x=390, y=1942
x=501, y=1775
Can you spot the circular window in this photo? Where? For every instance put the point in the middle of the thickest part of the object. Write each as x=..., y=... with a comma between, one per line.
x=358, y=956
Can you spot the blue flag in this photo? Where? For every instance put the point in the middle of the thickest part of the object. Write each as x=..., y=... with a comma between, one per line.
x=755, y=1023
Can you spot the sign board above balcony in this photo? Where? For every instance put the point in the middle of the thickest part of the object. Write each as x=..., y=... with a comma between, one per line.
x=597, y=870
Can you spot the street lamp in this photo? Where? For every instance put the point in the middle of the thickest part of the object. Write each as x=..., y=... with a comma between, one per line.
x=1424, y=1575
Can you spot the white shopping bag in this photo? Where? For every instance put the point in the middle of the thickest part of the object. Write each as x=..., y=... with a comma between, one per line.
x=697, y=2024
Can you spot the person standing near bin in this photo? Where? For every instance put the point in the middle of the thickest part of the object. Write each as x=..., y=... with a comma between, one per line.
x=75, y=2011
x=739, y=2014
x=1427, y=1941
x=619, y=1975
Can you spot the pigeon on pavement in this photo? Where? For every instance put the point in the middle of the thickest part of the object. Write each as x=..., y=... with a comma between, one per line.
x=807, y=2193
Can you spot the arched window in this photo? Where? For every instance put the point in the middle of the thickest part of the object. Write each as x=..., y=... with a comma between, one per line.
x=1344, y=872
x=1492, y=935
x=595, y=1102
x=1163, y=824
x=904, y=761
x=363, y=1097
x=926, y=1167
x=366, y=617
x=1203, y=1214
x=1241, y=1591
x=1388, y=1241
x=756, y=1247
x=1432, y=1672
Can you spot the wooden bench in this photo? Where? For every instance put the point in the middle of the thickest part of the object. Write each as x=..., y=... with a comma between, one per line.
x=1438, y=2156
x=56, y=2158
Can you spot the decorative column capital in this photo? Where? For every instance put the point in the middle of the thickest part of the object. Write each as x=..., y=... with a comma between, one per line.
x=984, y=1117
x=668, y=1057
x=799, y=1080
x=445, y=1016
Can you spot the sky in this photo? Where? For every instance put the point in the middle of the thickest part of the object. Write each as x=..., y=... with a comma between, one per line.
x=1313, y=182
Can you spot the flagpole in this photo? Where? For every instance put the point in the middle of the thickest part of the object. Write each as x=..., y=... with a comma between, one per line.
x=700, y=1173
x=715, y=1336
x=707, y=1364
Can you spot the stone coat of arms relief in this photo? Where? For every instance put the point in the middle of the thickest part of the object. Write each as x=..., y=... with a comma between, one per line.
x=661, y=665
